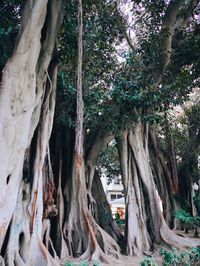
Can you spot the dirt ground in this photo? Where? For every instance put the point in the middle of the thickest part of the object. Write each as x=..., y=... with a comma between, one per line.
x=135, y=261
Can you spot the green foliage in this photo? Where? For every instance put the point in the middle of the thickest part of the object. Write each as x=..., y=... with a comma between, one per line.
x=10, y=16
x=197, y=200
x=148, y=261
x=182, y=258
x=101, y=30
x=186, y=219
x=70, y=264
x=113, y=87
x=65, y=101
x=84, y=263
x=183, y=203
x=109, y=160
x=195, y=254
x=170, y=258
x=120, y=222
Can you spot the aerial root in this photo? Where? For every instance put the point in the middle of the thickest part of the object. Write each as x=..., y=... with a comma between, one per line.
x=18, y=260
x=47, y=239
x=100, y=246
x=2, y=262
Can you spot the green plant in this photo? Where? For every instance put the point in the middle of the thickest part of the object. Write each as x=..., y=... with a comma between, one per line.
x=184, y=217
x=84, y=263
x=170, y=257
x=68, y=263
x=148, y=261
x=195, y=254
x=183, y=258
x=120, y=222
x=187, y=220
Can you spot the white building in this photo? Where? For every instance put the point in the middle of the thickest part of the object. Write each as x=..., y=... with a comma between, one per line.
x=114, y=193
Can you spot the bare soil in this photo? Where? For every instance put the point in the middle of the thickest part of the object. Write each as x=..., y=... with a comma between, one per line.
x=136, y=261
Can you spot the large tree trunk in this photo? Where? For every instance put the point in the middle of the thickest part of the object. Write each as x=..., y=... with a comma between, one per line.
x=62, y=150
x=145, y=224
x=163, y=177
x=27, y=97
x=81, y=233
x=75, y=231
x=188, y=169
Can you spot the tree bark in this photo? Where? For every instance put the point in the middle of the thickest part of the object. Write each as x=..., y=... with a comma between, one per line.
x=27, y=98
x=82, y=234
x=145, y=224
x=188, y=169
x=163, y=178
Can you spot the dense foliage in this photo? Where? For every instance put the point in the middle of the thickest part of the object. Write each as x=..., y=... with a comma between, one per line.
x=10, y=16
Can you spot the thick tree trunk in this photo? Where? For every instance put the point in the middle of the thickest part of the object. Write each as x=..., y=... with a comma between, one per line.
x=76, y=230
x=188, y=169
x=163, y=178
x=62, y=150
x=81, y=232
x=145, y=224
x=27, y=97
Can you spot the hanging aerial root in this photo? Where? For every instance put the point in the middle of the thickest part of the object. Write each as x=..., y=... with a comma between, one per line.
x=46, y=237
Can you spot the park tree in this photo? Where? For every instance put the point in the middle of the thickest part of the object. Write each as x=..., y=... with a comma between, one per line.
x=145, y=222
x=27, y=108
x=50, y=177
x=184, y=127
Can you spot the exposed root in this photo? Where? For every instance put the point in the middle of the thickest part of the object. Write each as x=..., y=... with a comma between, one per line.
x=91, y=241
x=2, y=262
x=170, y=238
x=18, y=260
x=46, y=236
x=41, y=255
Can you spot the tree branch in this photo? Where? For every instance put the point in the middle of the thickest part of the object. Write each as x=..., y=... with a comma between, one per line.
x=176, y=17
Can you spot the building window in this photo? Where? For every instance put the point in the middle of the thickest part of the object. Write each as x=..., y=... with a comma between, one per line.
x=113, y=196
x=119, y=196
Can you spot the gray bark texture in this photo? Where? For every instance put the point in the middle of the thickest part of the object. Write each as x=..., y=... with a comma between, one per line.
x=145, y=224
x=27, y=100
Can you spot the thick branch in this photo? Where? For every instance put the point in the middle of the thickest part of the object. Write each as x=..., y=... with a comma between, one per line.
x=176, y=17
x=101, y=140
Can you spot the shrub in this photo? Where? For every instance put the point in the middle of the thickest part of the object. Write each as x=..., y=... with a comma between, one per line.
x=148, y=261
x=170, y=257
x=187, y=220
x=184, y=258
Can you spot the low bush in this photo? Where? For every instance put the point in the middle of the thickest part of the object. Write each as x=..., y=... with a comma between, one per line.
x=181, y=258
x=148, y=261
